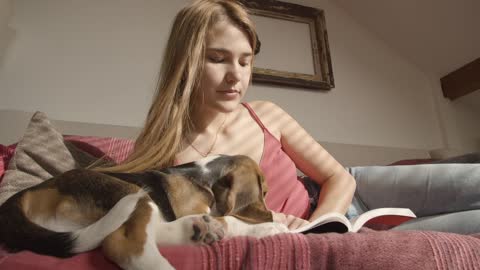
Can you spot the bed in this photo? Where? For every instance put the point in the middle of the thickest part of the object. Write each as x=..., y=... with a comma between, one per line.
x=47, y=148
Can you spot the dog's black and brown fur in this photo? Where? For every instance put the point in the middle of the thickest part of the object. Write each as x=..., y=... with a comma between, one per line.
x=128, y=215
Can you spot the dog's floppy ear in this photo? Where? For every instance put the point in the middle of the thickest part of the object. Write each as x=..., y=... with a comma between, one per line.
x=240, y=193
x=256, y=211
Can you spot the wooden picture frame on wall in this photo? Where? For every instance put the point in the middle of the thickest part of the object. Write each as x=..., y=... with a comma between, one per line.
x=307, y=28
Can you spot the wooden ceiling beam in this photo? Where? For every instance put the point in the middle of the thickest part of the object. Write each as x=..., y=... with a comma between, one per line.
x=462, y=81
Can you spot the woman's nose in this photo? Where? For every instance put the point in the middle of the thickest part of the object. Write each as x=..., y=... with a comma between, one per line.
x=233, y=74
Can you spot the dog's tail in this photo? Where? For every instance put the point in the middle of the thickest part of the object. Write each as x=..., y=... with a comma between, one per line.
x=30, y=236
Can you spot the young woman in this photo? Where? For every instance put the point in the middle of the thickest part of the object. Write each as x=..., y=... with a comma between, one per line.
x=198, y=111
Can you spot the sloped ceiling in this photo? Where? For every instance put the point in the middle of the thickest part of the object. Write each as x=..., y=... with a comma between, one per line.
x=438, y=36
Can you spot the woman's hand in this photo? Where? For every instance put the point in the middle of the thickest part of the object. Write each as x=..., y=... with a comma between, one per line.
x=292, y=222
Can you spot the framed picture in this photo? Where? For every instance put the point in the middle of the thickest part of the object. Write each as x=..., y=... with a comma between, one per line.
x=294, y=45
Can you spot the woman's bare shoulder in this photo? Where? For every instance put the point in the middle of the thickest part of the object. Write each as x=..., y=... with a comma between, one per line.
x=271, y=115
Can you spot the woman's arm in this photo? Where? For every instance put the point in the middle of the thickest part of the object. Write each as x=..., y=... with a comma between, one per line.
x=338, y=186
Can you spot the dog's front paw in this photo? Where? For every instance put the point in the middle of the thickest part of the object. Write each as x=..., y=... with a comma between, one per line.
x=206, y=229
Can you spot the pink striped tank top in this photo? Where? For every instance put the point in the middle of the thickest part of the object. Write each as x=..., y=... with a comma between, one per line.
x=286, y=193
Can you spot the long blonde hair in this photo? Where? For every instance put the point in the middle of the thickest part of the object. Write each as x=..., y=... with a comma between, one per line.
x=168, y=119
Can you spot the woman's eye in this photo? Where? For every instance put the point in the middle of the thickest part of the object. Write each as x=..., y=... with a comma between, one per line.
x=244, y=64
x=215, y=59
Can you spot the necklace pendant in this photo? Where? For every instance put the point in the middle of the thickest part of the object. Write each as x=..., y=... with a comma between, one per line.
x=213, y=144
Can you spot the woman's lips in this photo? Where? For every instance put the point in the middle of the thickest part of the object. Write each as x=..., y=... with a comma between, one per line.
x=230, y=93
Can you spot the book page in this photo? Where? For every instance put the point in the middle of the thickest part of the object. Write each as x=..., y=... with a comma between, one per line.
x=330, y=222
x=385, y=216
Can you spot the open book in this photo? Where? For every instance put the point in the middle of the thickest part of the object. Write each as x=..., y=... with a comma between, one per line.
x=336, y=222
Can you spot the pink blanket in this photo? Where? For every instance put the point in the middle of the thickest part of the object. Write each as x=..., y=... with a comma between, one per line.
x=279, y=252
x=365, y=250
x=394, y=250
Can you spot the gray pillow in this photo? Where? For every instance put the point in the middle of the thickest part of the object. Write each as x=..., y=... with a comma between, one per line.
x=41, y=154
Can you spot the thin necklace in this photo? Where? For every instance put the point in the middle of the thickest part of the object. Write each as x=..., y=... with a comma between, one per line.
x=213, y=144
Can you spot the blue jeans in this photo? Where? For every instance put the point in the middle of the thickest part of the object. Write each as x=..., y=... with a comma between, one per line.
x=445, y=197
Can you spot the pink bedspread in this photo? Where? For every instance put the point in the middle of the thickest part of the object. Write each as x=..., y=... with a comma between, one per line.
x=368, y=249
x=278, y=252
x=394, y=250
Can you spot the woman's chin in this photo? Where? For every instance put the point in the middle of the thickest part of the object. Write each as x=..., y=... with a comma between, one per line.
x=227, y=106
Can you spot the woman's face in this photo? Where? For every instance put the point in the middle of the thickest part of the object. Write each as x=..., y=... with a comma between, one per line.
x=227, y=69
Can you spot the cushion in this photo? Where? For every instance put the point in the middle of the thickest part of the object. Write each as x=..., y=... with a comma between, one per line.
x=39, y=155
x=43, y=152
x=6, y=153
x=113, y=149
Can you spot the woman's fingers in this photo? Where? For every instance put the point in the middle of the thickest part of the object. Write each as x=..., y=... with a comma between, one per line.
x=280, y=218
x=294, y=222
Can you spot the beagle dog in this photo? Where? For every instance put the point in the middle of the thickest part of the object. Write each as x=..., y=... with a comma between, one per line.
x=128, y=215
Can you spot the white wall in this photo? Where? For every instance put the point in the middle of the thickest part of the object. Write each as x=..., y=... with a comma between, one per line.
x=91, y=61
x=6, y=34
x=438, y=37
x=97, y=61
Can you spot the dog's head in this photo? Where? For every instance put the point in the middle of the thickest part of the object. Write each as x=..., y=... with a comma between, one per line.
x=241, y=190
